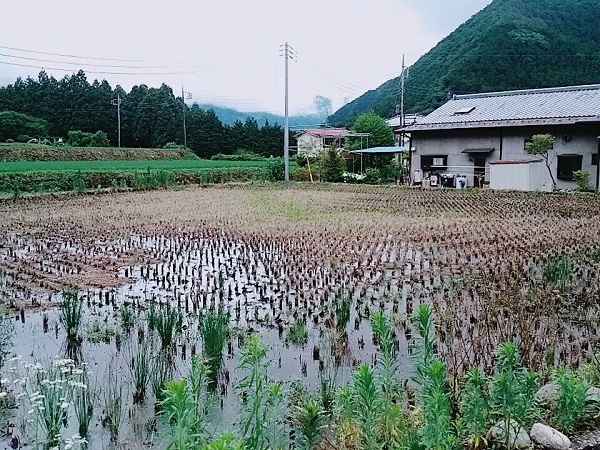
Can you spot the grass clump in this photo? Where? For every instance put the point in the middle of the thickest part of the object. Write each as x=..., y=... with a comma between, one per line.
x=297, y=334
x=113, y=405
x=71, y=313
x=213, y=328
x=168, y=323
x=558, y=271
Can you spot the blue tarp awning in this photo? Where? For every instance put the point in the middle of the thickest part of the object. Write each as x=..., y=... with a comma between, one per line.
x=380, y=150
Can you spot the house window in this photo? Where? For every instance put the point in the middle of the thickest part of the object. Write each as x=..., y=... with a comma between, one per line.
x=595, y=159
x=566, y=165
x=434, y=162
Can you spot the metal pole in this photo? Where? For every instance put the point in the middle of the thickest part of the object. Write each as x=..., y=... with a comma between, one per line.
x=184, y=131
x=286, y=136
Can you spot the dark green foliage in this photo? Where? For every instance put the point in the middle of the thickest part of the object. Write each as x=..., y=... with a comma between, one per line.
x=381, y=134
x=332, y=165
x=150, y=117
x=14, y=124
x=168, y=324
x=276, y=169
x=511, y=44
x=84, y=139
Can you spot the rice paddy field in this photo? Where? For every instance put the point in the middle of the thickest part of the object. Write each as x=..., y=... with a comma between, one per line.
x=119, y=292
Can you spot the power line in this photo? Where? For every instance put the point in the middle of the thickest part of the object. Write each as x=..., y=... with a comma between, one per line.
x=69, y=56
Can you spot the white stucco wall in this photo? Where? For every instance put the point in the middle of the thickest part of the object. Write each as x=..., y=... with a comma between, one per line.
x=571, y=140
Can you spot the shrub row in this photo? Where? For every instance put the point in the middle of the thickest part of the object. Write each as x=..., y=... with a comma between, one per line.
x=54, y=181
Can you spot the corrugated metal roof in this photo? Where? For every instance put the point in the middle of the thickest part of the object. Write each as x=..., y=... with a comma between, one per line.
x=514, y=108
x=327, y=132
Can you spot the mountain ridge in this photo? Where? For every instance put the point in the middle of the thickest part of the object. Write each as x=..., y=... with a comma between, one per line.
x=508, y=45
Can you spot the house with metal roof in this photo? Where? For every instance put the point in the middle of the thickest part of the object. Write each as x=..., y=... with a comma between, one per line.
x=468, y=132
x=311, y=142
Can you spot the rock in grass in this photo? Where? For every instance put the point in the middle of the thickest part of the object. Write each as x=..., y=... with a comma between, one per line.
x=547, y=394
x=593, y=395
x=519, y=438
x=549, y=438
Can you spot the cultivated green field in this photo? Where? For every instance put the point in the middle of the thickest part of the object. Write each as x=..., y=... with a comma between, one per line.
x=39, y=166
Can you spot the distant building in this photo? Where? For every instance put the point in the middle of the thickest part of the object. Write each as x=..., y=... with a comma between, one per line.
x=313, y=141
x=468, y=132
x=400, y=138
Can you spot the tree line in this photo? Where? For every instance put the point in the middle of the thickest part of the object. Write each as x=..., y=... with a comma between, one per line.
x=150, y=117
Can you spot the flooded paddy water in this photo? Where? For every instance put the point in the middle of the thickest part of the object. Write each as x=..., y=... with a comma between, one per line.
x=303, y=267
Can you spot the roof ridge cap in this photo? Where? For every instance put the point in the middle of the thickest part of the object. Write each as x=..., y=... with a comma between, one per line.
x=584, y=87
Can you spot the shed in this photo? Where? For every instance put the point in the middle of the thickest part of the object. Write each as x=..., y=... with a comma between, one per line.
x=518, y=174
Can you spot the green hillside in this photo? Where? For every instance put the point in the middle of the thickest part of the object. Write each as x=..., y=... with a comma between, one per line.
x=510, y=44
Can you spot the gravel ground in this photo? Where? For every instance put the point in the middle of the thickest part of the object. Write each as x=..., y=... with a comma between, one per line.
x=587, y=441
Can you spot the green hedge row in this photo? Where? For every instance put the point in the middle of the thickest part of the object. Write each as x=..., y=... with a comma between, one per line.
x=57, y=181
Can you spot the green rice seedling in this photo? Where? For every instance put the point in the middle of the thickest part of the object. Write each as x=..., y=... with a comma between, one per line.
x=437, y=431
x=140, y=367
x=113, y=404
x=152, y=316
x=513, y=391
x=297, y=334
x=168, y=325
x=311, y=421
x=127, y=317
x=366, y=404
x=571, y=400
x=71, y=313
x=558, y=271
x=474, y=409
x=82, y=399
x=213, y=328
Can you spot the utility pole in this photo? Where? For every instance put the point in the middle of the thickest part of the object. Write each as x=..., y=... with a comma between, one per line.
x=286, y=137
x=183, y=97
x=403, y=76
x=117, y=101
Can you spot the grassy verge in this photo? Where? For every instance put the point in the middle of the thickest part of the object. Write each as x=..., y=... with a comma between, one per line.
x=123, y=165
x=17, y=183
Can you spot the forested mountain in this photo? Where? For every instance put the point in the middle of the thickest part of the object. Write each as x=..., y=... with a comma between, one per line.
x=229, y=116
x=510, y=44
x=150, y=117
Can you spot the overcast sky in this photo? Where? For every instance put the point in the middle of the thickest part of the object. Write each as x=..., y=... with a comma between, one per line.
x=227, y=52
